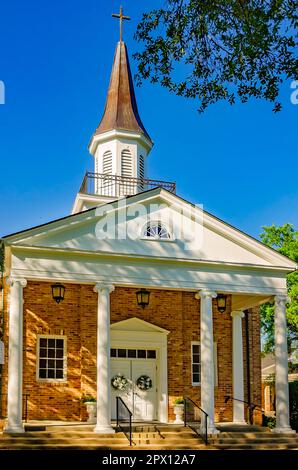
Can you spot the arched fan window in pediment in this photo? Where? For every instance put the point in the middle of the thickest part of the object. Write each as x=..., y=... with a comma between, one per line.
x=156, y=230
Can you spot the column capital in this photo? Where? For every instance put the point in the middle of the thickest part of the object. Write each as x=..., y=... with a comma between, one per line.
x=281, y=299
x=103, y=288
x=237, y=314
x=13, y=280
x=205, y=294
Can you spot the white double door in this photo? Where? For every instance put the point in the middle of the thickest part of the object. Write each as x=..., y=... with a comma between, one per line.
x=142, y=403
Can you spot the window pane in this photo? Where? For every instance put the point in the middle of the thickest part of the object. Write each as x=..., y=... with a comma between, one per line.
x=121, y=352
x=59, y=374
x=113, y=352
x=51, y=364
x=132, y=353
x=141, y=353
x=196, y=378
x=43, y=353
x=59, y=343
x=59, y=353
x=51, y=352
x=51, y=343
x=42, y=374
x=195, y=349
x=51, y=374
x=42, y=363
x=196, y=358
x=195, y=368
x=59, y=364
x=43, y=342
x=151, y=354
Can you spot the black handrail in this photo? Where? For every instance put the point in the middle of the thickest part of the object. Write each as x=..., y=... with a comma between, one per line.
x=124, y=415
x=251, y=406
x=202, y=432
x=3, y=406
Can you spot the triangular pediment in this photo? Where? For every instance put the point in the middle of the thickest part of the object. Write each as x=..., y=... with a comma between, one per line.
x=137, y=325
x=217, y=241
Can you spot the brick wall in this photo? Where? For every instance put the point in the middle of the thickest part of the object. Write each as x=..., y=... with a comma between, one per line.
x=75, y=317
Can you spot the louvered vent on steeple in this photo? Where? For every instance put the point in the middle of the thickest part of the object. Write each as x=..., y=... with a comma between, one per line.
x=107, y=164
x=126, y=163
x=141, y=167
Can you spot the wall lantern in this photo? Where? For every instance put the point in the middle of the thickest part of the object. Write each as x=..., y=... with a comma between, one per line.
x=143, y=297
x=221, y=303
x=58, y=291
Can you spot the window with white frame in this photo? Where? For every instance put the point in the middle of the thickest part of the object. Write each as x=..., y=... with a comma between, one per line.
x=156, y=230
x=51, y=358
x=196, y=363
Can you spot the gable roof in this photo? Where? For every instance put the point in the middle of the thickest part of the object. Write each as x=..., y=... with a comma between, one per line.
x=217, y=225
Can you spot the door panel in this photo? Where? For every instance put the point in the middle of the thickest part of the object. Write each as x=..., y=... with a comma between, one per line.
x=144, y=400
x=123, y=367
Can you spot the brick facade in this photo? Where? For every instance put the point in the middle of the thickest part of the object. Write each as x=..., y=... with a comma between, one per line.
x=75, y=317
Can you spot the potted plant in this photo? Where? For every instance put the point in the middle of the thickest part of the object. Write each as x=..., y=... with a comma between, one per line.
x=90, y=403
x=179, y=410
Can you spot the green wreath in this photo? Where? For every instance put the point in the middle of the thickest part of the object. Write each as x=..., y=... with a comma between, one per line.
x=144, y=382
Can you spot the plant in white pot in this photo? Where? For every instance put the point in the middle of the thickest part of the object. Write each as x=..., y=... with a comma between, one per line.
x=179, y=411
x=91, y=405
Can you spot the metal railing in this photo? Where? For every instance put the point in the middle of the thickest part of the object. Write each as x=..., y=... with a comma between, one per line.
x=124, y=419
x=116, y=186
x=3, y=406
x=196, y=418
x=250, y=406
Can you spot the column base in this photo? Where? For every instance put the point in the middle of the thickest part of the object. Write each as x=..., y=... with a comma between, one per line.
x=287, y=430
x=14, y=429
x=211, y=430
x=102, y=429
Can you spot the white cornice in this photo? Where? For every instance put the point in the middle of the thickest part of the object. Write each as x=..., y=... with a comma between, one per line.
x=118, y=134
x=146, y=258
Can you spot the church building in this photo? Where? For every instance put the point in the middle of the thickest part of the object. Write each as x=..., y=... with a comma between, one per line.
x=138, y=294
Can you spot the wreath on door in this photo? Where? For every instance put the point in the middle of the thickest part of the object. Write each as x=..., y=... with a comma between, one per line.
x=119, y=382
x=144, y=382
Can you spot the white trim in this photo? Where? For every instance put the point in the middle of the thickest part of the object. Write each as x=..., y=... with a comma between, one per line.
x=198, y=384
x=47, y=380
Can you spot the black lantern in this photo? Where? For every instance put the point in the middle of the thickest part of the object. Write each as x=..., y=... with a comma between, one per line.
x=221, y=303
x=58, y=291
x=143, y=297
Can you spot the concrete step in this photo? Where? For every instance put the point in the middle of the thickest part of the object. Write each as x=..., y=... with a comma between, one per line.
x=258, y=435
x=255, y=441
x=255, y=446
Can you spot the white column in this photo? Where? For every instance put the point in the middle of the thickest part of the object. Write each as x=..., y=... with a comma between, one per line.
x=15, y=357
x=281, y=366
x=103, y=420
x=238, y=385
x=207, y=359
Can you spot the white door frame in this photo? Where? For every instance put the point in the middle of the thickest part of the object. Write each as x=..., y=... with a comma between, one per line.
x=139, y=334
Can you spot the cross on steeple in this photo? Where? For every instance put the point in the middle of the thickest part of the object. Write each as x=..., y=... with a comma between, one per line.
x=121, y=18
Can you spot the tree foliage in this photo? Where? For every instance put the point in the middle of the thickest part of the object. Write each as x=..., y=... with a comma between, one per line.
x=229, y=49
x=285, y=240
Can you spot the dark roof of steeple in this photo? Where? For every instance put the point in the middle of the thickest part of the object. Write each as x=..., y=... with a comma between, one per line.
x=121, y=110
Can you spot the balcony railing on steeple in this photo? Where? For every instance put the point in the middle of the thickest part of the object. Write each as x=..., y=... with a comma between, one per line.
x=116, y=186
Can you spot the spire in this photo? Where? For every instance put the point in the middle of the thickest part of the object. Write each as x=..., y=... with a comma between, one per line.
x=121, y=111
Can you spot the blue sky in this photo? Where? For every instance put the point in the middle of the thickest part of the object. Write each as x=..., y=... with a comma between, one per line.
x=240, y=162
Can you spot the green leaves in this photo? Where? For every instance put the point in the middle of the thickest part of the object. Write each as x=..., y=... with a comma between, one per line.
x=285, y=240
x=229, y=49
